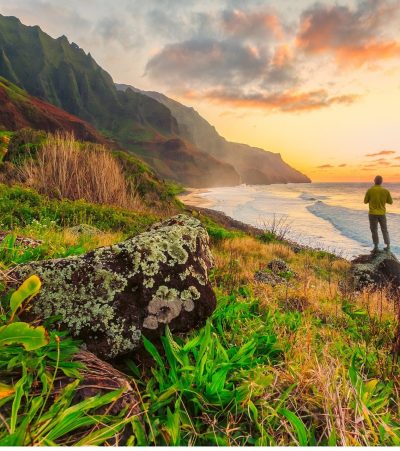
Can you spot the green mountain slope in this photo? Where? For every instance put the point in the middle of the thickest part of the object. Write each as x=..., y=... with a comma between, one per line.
x=192, y=152
x=64, y=75
x=254, y=165
x=20, y=110
x=61, y=73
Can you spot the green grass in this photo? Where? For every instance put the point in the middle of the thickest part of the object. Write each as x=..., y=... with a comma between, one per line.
x=297, y=364
x=19, y=207
x=215, y=230
x=36, y=408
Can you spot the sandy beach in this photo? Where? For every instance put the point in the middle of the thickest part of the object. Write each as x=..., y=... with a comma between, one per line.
x=192, y=196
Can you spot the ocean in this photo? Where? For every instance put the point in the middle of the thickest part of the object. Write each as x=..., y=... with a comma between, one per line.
x=329, y=216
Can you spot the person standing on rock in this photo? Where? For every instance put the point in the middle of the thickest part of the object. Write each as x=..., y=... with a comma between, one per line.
x=377, y=197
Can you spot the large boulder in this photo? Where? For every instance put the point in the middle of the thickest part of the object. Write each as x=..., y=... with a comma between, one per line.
x=376, y=270
x=110, y=296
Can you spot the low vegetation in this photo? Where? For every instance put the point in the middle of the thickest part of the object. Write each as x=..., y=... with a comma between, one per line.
x=299, y=363
x=64, y=168
x=59, y=166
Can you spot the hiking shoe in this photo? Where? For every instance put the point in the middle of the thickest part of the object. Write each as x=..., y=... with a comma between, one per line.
x=375, y=250
x=387, y=248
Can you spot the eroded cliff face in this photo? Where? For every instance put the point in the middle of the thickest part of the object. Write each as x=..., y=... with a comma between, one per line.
x=64, y=75
x=255, y=166
x=111, y=296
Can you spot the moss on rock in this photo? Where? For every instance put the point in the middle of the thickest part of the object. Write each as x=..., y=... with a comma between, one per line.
x=110, y=296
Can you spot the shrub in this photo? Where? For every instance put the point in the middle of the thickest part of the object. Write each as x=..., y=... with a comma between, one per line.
x=64, y=168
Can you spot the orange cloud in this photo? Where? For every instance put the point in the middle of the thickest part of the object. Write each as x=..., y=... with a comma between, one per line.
x=350, y=35
x=286, y=101
x=372, y=51
x=382, y=152
x=282, y=56
x=325, y=166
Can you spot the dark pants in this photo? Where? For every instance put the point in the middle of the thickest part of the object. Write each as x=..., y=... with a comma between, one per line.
x=373, y=224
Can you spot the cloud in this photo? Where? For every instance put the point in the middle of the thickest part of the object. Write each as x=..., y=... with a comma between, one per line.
x=245, y=24
x=246, y=58
x=382, y=152
x=325, y=166
x=202, y=62
x=343, y=165
x=380, y=161
x=282, y=70
x=285, y=101
x=113, y=28
x=353, y=36
x=377, y=163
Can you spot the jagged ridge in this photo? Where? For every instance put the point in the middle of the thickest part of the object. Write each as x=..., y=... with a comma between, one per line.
x=255, y=166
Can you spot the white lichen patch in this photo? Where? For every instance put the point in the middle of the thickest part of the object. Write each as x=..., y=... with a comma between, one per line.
x=150, y=322
x=188, y=305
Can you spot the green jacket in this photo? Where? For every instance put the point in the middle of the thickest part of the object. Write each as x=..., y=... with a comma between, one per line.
x=377, y=197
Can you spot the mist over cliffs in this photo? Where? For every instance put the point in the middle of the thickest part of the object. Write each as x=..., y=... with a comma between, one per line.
x=254, y=165
x=173, y=139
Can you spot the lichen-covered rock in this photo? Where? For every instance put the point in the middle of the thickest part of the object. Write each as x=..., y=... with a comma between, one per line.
x=268, y=277
x=21, y=240
x=84, y=229
x=276, y=272
x=278, y=266
x=376, y=270
x=110, y=296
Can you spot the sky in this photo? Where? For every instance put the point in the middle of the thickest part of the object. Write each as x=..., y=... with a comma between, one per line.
x=317, y=82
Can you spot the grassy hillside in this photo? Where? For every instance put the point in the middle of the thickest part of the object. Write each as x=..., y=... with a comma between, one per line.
x=64, y=75
x=297, y=363
x=30, y=150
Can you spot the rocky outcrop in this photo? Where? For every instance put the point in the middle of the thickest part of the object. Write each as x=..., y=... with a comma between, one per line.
x=111, y=296
x=376, y=270
x=276, y=272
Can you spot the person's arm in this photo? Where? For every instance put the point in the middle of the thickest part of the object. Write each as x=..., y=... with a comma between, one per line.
x=389, y=199
x=366, y=198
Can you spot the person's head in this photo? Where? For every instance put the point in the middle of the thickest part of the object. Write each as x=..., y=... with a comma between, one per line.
x=378, y=180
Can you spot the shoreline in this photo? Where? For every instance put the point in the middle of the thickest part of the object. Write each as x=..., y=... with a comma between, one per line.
x=233, y=224
x=192, y=197
x=337, y=242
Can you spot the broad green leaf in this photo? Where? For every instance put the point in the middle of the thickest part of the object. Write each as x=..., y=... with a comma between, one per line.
x=139, y=431
x=298, y=425
x=28, y=289
x=173, y=426
x=151, y=349
x=22, y=333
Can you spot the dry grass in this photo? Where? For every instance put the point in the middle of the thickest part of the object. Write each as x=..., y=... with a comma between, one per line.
x=318, y=351
x=65, y=168
x=318, y=277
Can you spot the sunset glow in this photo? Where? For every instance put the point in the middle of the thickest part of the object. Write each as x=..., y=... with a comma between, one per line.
x=317, y=82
